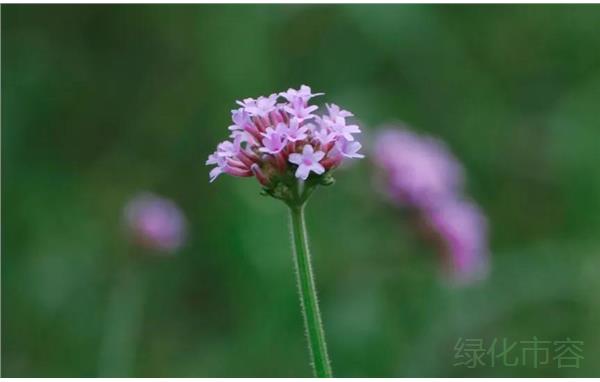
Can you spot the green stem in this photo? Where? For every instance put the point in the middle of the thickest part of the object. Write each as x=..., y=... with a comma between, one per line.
x=308, y=295
x=123, y=316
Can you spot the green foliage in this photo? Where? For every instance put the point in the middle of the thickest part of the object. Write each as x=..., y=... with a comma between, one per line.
x=101, y=101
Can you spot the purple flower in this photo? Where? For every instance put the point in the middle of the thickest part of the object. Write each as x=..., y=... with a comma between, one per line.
x=461, y=229
x=324, y=136
x=349, y=149
x=240, y=118
x=300, y=110
x=230, y=158
x=246, y=104
x=335, y=112
x=419, y=170
x=267, y=134
x=230, y=149
x=294, y=132
x=303, y=94
x=274, y=140
x=221, y=163
x=422, y=174
x=155, y=223
x=260, y=107
x=339, y=127
x=307, y=161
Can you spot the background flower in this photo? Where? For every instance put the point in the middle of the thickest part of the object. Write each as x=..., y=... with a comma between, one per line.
x=155, y=223
x=419, y=170
x=461, y=231
x=421, y=174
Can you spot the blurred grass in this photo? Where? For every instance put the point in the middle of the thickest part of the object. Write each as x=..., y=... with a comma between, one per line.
x=101, y=101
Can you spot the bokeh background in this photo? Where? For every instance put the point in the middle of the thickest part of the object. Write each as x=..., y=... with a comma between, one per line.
x=102, y=101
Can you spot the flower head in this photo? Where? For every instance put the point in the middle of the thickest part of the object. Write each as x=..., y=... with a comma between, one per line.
x=155, y=223
x=461, y=230
x=420, y=173
x=419, y=170
x=278, y=144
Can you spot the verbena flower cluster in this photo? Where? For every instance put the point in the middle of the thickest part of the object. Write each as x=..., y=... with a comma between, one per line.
x=280, y=133
x=422, y=174
x=461, y=230
x=155, y=223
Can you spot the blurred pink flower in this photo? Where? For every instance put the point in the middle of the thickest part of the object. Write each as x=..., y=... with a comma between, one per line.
x=461, y=231
x=419, y=171
x=155, y=222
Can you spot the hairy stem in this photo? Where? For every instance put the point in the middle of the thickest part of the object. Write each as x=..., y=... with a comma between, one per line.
x=308, y=294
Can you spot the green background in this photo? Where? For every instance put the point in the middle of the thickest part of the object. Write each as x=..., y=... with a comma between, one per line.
x=99, y=102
